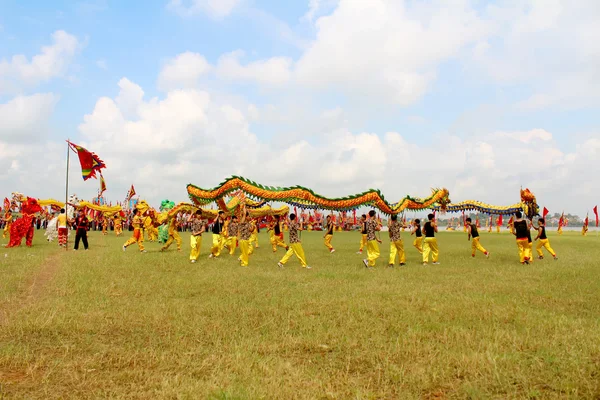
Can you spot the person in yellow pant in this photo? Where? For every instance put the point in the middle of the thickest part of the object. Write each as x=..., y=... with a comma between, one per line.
x=295, y=247
x=418, y=242
x=543, y=240
x=173, y=235
x=363, y=233
x=137, y=237
x=245, y=231
x=8, y=218
x=232, y=235
x=396, y=244
x=217, y=235
x=473, y=233
x=520, y=228
x=372, y=241
x=584, y=230
x=118, y=225
x=278, y=235
x=149, y=228
x=196, y=237
x=104, y=225
x=254, y=235
x=328, y=234
x=430, y=245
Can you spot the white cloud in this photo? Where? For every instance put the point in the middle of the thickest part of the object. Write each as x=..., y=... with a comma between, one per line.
x=274, y=71
x=183, y=71
x=53, y=61
x=386, y=48
x=24, y=117
x=214, y=8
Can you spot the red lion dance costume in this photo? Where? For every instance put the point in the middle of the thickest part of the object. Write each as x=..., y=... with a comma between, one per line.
x=23, y=227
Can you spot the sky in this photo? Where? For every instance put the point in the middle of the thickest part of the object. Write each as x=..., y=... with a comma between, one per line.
x=340, y=96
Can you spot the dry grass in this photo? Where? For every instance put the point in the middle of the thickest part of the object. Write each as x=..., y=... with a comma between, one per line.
x=127, y=325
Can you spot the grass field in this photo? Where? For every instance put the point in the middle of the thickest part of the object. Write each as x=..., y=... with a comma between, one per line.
x=109, y=324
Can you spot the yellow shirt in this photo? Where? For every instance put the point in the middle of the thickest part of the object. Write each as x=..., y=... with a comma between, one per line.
x=62, y=221
x=136, y=222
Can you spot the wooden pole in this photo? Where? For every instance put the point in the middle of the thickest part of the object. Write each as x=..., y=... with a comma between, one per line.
x=67, y=195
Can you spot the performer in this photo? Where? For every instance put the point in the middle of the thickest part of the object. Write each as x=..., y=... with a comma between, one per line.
x=232, y=235
x=217, y=235
x=430, y=245
x=254, y=235
x=173, y=235
x=295, y=246
x=118, y=223
x=83, y=225
x=396, y=244
x=198, y=229
x=149, y=227
x=104, y=225
x=8, y=219
x=138, y=236
x=328, y=234
x=543, y=240
x=520, y=229
x=472, y=232
x=363, y=233
x=278, y=235
x=418, y=242
x=62, y=228
x=372, y=241
x=245, y=232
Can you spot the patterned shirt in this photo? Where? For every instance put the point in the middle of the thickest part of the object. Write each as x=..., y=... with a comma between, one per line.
x=372, y=226
x=232, y=229
x=245, y=230
x=197, y=225
x=395, y=229
x=293, y=227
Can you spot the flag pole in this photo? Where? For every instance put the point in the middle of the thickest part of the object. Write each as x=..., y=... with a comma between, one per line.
x=67, y=193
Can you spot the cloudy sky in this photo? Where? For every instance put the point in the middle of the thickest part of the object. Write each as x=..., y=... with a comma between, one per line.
x=337, y=95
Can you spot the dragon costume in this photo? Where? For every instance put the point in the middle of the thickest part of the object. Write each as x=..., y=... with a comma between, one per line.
x=23, y=227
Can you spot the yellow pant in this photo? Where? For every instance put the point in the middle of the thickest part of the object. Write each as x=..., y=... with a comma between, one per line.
x=524, y=252
x=430, y=246
x=418, y=243
x=245, y=247
x=328, y=241
x=254, y=239
x=196, y=244
x=152, y=233
x=560, y=230
x=363, y=241
x=397, y=248
x=231, y=243
x=277, y=242
x=372, y=252
x=217, y=245
x=118, y=230
x=173, y=237
x=136, y=238
x=498, y=229
x=295, y=248
x=6, y=231
x=475, y=245
x=544, y=243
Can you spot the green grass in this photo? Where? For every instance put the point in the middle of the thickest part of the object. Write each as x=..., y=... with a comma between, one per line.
x=110, y=324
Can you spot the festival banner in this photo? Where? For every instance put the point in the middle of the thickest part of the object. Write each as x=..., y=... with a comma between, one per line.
x=596, y=212
x=90, y=162
x=131, y=193
x=102, y=184
x=545, y=212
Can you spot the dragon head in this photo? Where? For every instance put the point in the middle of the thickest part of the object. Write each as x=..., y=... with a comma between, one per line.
x=530, y=205
x=166, y=205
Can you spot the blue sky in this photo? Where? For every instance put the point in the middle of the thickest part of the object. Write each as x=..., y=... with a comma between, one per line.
x=478, y=75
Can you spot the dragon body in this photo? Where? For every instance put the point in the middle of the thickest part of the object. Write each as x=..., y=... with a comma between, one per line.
x=528, y=206
x=307, y=199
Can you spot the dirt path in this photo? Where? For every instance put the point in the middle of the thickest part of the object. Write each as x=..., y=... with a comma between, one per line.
x=34, y=288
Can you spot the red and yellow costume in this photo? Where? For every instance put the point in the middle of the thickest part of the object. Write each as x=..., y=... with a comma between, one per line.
x=137, y=237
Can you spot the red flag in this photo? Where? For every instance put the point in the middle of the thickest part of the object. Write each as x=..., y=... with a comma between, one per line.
x=295, y=211
x=131, y=193
x=545, y=212
x=596, y=212
x=499, y=222
x=102, y=184
x=354, y=214
x=561, y=221
x=510, y=221
x=90, y=162
x=586, y=222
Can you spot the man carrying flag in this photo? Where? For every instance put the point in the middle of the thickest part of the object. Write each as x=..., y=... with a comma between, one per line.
x=584, y=230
